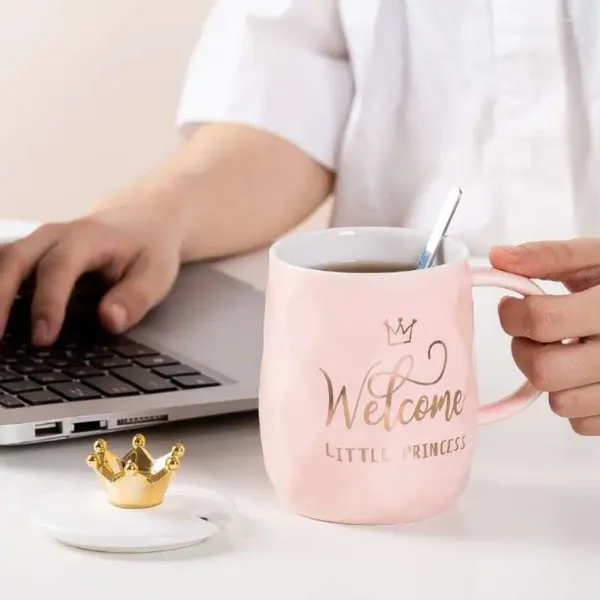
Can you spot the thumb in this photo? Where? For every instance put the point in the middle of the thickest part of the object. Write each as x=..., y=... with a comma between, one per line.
x=142, y=287
x=555, y=260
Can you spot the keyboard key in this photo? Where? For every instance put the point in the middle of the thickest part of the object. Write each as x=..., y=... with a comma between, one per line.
x=6, y=375
x=134, y=351
x=50, y=377
x=96, y=352
x=74, y=390
x=195, y=381
x=112, y=362
x=8, y=360
x=111, y=386
x=43, y=353
x=156, y=361
x=174, y=370
x=144, y=380
x=10, y=401
x=30, y=367
x=83, y=371
x=17, y=387
x=41, y=397
x=64, y=362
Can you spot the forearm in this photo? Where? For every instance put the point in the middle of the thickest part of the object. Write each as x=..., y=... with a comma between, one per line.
x=232, y=189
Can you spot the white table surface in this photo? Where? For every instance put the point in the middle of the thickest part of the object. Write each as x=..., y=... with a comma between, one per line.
x=528, y=525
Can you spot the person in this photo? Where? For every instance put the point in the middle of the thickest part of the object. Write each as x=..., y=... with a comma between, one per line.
x=384, y=105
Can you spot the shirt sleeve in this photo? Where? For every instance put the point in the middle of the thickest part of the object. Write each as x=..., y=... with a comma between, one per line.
x=278, y=65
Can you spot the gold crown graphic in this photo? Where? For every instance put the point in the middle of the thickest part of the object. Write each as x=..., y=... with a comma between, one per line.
x=136, y=480
x=400, y=334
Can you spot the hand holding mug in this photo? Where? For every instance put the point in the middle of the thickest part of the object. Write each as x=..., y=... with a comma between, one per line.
x=538, y=324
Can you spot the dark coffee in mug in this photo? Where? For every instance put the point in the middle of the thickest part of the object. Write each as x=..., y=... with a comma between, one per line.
x=366, y=267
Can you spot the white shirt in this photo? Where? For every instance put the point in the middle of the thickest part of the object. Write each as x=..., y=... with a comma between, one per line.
x=405, y=98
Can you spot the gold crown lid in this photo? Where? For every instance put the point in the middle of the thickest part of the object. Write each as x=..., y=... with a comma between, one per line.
x=136, y=480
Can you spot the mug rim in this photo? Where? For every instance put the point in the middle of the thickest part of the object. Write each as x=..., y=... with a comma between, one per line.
x=281, y=245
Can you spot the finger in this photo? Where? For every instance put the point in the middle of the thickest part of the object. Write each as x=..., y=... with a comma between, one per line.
x=586, y=426
x=582, y=280
x=556, y=367
x=56, y=275
x=576, y=403
x=144, y=285
x=86, y=247
x=547, y=260
x=552, y=318
x=17, y=262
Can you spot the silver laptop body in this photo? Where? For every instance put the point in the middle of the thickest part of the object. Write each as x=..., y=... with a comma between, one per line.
x=210, y=321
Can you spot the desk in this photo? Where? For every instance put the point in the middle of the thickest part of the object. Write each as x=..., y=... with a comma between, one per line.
x=526, y=527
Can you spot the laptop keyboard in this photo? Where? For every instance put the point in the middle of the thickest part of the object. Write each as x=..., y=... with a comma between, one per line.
x=79, y=371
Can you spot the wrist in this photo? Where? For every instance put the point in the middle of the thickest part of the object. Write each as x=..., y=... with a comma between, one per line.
x=144, y=208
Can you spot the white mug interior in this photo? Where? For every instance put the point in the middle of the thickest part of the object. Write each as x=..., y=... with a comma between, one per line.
x=347, y=245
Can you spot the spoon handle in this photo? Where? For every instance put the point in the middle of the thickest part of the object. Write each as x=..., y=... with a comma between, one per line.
x=440, y=228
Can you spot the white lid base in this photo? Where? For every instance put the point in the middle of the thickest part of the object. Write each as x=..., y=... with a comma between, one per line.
x=87, y=520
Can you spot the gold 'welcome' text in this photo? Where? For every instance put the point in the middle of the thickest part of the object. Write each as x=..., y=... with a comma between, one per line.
x=374, y=403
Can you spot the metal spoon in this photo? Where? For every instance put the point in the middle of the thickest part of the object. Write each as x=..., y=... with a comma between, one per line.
x=440, y=228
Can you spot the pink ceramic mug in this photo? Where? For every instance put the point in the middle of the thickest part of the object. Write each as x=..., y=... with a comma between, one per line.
x=368, y=399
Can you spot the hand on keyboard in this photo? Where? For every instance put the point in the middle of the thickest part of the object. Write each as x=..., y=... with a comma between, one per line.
x=136, y=250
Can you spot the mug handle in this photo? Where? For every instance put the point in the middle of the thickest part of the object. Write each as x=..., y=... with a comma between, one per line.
x=526, y=394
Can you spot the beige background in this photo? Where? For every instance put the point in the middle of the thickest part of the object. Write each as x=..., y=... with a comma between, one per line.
x=89, y=94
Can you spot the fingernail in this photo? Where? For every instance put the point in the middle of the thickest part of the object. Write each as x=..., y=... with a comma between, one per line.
x=118, y=316
x=40, y=333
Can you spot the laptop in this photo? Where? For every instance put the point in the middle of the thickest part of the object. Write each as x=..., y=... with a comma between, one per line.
x=195, y=355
